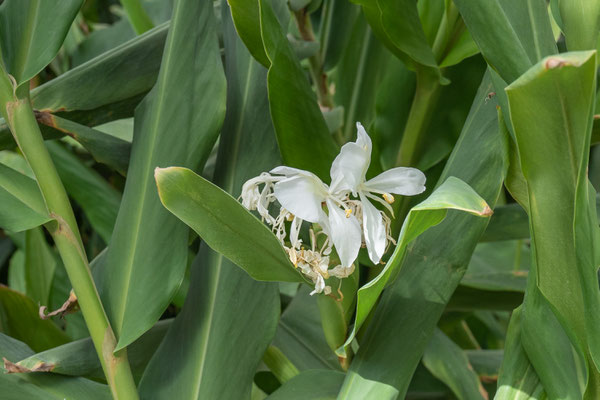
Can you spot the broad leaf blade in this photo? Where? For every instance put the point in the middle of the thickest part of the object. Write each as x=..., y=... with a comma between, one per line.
x=551, y=109
x=176, y=124
x=31, y=33
x=511, y=35
x=225, y=225
x=43, y=386
x=302, y=134
x=228, y=319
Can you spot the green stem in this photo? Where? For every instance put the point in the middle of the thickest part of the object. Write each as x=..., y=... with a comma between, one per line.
x=16, y=110
x=317, y=74
x=140, y=21
x=421, y=111
x=411, y=147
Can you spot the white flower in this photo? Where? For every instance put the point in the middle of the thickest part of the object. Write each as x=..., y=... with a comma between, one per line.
x=304, y=194
x=348, y=173
x=304, y=197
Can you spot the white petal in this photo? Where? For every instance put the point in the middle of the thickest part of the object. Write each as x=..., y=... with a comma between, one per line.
x=374, y=230
x=295, y=232
x=401, y=180
x=345, y=234
x=302, y=196
x=362, y=138
x=350, y=166
x=288, y=171
x=319, y=285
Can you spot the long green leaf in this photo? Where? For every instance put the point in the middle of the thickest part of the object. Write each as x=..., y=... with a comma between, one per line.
x=225, y=225
x=409, y=309
x=446, y=361
x=551, y=109
x=79, y=358
x=19, y=318
x=40, y=264
x=397, y=25
x=228, y=319
x=43, y=386
x=517, y=379
x=31, y=33
x=134, y=67
x=512, y=35
x=453, y=194
x=176, y=124
x=302, y=134
x=580, y=22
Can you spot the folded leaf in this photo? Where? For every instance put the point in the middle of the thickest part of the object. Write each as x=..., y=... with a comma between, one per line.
x=225, y=225
x=452, y=194
x=23, y=206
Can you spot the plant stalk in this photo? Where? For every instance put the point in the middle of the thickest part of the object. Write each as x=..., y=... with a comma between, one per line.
x=413, y=140
x=138, y=18
x=17, y=111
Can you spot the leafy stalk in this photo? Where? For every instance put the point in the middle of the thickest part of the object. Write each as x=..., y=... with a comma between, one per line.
x=16, y=110
x=140, y=21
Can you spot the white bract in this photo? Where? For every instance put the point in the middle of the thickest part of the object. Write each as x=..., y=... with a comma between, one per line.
x=346, y=222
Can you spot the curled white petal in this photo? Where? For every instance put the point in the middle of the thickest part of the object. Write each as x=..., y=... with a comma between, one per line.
x=401, y=180
x=345, y=234
x=302, y=196
x=373, y=230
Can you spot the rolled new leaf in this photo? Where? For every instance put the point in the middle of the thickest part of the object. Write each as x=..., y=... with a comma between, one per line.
x=452, y=194
x=225, y=225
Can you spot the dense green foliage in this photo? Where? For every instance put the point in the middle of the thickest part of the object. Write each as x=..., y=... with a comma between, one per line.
x=149, y=248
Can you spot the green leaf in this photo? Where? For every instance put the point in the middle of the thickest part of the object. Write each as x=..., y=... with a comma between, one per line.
x=517, y=379
x=173, y=125
x=31, y=33
x=498, y=266
x=302, y=134
x=509, y=222
x=246, y=17
x=314, y=384
x=453, y=194
x=336, y=31
x=20, y=319
x=98, y=199
x=43, y=386
x=300, y=335
x=580, y=22
x=551, y=109
x=22, y=204
x=409, y=309
x=40, y=264
x=449, y=363
x=105, y=148
x=512, y=35
x=79, y=358
x=225, y=225
x=134, y=67
x=397, y=25
x=228, y=319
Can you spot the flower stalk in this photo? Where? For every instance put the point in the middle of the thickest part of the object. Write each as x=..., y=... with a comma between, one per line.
x=16, y=108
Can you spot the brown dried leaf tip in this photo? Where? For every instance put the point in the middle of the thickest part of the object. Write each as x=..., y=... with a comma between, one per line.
x=12, y=368
x=68, y=307
x=552, y=63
